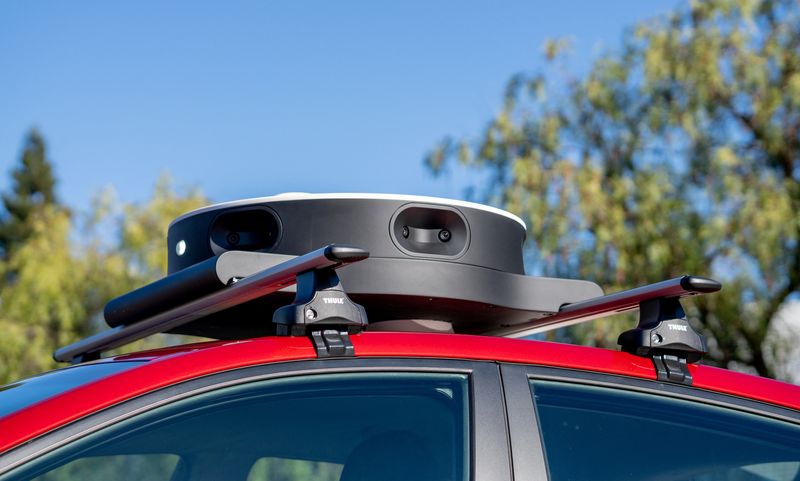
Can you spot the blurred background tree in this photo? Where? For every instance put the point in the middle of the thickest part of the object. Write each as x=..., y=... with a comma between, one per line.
x=32, y=189
x=677, y=153
x=54, y=283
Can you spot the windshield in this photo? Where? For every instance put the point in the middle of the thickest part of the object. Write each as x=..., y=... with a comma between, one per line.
x=20, y=394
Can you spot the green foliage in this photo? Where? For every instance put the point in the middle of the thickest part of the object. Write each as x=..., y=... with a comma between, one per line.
x=54, y=286
x=44, y=305
x=139, y=255
x=676, y=154
x=143, y=228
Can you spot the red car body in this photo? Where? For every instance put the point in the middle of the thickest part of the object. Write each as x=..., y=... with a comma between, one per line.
x=166, y=367
x=330, y=395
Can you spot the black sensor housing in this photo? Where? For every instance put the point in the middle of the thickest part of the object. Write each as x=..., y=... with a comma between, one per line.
x=430, y=259
x=295, y=224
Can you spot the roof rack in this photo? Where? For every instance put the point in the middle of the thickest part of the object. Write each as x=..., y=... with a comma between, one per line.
x=434, y=265
x=616, y=303
x=316, y=265
x=662, y=334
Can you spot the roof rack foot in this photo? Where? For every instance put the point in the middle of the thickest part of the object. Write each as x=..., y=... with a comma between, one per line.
x=320, y=304
x=87, y=357
x=332, y=343
x=665, y=335
x=671, y=368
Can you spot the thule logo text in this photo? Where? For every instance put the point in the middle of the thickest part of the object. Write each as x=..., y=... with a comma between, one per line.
x=330, y=300
x=673, y=327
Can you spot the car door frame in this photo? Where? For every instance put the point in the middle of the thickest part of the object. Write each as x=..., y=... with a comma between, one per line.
x=489, y=443
x=529, y=458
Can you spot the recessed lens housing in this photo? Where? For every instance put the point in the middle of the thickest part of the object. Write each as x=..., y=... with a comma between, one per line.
x=249, y=229
x=421, y=230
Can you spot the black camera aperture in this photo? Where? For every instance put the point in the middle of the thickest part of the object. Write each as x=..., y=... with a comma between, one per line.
x=249, y=229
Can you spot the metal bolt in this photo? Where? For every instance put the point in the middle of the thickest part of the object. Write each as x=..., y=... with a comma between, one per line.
x=311, y=314
x=233, y=238
x=656, y=338
x=444, y=235
x=405, y=231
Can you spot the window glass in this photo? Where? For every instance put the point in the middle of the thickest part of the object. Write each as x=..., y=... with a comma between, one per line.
x=278, y=469
x=23, y=393
x=610, y=434
x=129, y=467
x=356, y=427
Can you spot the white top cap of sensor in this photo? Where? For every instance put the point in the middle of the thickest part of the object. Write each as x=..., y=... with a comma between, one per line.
x=288, y=196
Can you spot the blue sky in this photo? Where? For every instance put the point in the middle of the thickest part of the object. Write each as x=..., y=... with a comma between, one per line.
x=254, y=98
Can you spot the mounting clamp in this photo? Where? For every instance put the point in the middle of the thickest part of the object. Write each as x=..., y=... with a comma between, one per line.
x=664, y=335
x=323, y=311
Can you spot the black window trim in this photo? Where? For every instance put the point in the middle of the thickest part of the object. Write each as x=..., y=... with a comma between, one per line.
x=527, y=449
x=489, y=443
x=666, y=389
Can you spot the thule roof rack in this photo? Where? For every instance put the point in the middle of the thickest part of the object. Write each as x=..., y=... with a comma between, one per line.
x=313, y=271
x=662, y=334
x=617, y=303
x=422, y=264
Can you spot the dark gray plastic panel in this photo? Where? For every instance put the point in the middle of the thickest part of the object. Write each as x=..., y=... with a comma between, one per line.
x=528, y=454
x=494, y=241
x=474, y=299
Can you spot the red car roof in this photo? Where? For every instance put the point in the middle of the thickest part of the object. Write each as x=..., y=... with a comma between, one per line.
x=172, y=365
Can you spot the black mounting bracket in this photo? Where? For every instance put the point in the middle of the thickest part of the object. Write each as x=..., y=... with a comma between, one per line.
x=323, y=311
x=90, y=356
x=665, y=335
x=671, y=368
x=332, y=343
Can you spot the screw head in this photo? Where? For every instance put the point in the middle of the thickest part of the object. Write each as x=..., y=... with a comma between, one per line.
x=180, y=247
x=233, y=238
x=405, y=231
x=311, y=314
x=656, y=339
x=444, y=235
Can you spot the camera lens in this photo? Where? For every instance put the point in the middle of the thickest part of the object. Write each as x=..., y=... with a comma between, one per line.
x=245, y=229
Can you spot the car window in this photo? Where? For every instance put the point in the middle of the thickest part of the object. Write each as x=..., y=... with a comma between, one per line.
x=128, y=467
x=347, y=427
x=600, y=433
x=23, y=393
x=280, y=469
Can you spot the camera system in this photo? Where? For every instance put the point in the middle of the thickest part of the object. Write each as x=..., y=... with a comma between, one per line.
x=434, y=264
x=330, y=265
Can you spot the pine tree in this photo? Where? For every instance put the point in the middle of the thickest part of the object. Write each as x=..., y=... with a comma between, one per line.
x=33, y=187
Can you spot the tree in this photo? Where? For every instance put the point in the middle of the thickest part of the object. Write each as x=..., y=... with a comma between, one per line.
x=45, y=306
x=676, y=154
x=33, y=187
x=139, y=255
x=143, y=228
x=40, y=297
x=61, y=284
